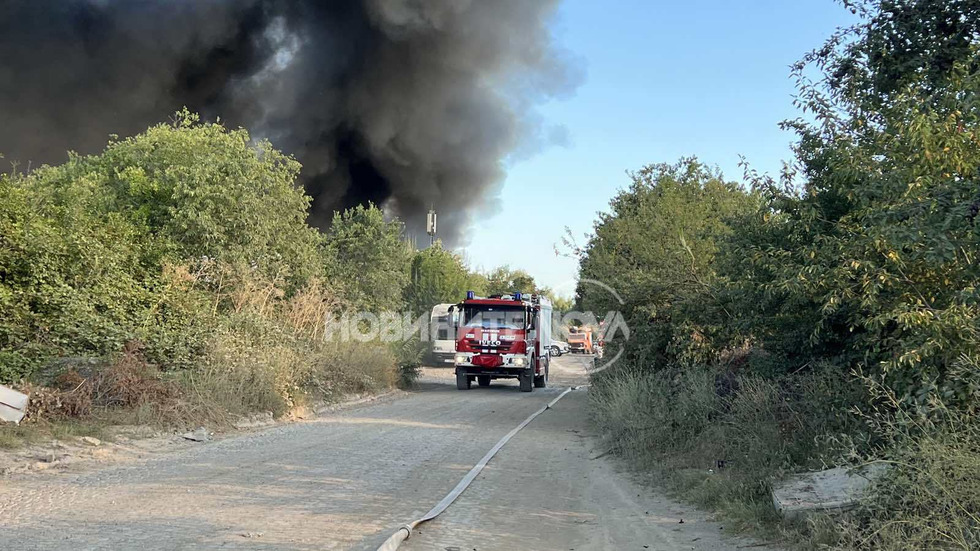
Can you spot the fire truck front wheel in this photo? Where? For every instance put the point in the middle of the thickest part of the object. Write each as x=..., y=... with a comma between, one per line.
x=463, y=381
x=541, y=381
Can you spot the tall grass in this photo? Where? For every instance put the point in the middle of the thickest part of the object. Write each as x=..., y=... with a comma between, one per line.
x=269, y=352
x=720, y=440
x=931, y=496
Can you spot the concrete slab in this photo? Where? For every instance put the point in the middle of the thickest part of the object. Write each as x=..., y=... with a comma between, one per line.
x=13, y=405
x=199, y=435
x=12, y=398
x=835, y=489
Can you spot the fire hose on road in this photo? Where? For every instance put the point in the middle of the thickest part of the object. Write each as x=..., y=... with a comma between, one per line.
x=403, y=533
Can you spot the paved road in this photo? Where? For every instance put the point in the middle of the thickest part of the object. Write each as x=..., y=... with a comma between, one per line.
x=348, y=480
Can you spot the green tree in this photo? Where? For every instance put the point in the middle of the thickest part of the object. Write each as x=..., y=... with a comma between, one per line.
x=872, y=263
x=84, y=246
x=504, y=280
x=206, y=191
x=559, y=303
x=369, y=258
x=477, y=282
x=438, y=276
x=655, y=249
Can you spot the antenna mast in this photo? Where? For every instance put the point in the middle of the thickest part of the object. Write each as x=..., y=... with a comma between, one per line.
x=430, y=226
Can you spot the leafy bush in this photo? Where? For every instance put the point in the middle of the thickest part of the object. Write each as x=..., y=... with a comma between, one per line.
x=870, y=263
x=208, y=192
x=656, y=248
x=84, y=247
x=409, y=354
x=192, y=240
x=70, y=278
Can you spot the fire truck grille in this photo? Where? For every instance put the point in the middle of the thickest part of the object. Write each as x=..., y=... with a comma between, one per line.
x=499, y=349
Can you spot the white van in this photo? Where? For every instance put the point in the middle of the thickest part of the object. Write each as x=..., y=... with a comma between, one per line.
x=442, y=331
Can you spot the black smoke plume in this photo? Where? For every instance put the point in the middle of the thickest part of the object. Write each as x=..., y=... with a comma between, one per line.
x=406, y=103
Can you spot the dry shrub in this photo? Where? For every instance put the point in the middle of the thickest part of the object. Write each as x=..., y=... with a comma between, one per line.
x=258, y=348
x=69, y=397
x=930, y=499
x=344, y=367
x=307, y=310
x=74, y=394
x=270, y=353
x=240, y=288
x=253, y=364
x=129, y=381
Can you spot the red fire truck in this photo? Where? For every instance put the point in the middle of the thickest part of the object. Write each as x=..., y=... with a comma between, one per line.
x=503, y=336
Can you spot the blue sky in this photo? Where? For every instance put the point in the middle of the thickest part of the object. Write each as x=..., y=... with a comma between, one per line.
x=663, y=80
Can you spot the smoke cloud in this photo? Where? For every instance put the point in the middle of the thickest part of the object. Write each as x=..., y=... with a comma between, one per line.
x=406, y=103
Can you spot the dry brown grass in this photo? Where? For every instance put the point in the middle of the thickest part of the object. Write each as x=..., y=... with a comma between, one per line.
x=128, y=381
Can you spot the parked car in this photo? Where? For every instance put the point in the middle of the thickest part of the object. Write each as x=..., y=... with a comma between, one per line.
x=558, y=348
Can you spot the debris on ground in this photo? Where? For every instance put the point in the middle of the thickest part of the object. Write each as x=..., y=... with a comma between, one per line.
x=91, y=441
x=46, y=457
x=199, y=435
x=836, y=489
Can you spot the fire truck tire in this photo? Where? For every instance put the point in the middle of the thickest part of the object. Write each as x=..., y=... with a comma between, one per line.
x=483, y=380
x=527, y=383
x=541, y=381
x=463, y=381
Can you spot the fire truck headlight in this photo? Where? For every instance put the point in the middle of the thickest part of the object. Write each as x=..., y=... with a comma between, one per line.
x=460, y=359
x=519, y=362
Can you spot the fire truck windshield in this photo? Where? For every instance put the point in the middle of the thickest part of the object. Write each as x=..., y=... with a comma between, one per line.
x=494, y=317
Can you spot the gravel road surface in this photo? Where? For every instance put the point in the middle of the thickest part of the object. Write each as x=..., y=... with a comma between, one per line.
x=347, y=480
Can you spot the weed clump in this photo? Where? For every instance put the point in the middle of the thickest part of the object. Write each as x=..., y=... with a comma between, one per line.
x=930, y=499
x=721, y=440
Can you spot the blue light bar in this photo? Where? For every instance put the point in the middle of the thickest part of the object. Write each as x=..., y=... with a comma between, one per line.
x=517, y=295
x=470, y=295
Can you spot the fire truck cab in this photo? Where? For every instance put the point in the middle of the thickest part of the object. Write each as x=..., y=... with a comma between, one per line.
x=503, y=336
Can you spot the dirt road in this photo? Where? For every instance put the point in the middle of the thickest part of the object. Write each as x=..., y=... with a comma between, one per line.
x=346, y=481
